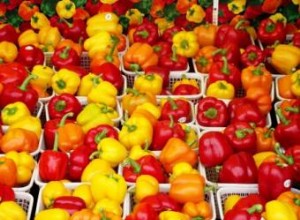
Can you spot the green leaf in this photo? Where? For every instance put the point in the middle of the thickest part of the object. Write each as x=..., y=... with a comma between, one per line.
x=48, y=7
x=205, y=3
x=79, y=3
x=13, y=18
x=124, y=21
x=170, y=12
x=290, y=12
x=144, y=6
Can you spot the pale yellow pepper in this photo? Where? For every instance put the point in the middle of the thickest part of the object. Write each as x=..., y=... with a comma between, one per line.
x=146, y=185
x=8, y=52
x=52, y=190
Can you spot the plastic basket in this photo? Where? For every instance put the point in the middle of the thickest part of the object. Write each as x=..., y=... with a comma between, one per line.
x=129, y=201
x=25, y=200
x=47, y=99
x=196, y=69
x=28, y=186
x=278, y=96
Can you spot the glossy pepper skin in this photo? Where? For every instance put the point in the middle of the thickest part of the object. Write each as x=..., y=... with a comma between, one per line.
x=224, y=15
x=173, y=62
x=146, y=32
x=69, y=203
x=65, y=56
x=252, y=213
x=64, y=103
x=294, y=152
x=162, y=71
x=269, y=31
x=252, y=56
x=179, y=109
x=214, y=148
x=142, y=211
x=239, y=168
x=6, y=193
x=230, y=51
x=8, y=33
x=170, y=32
x=12, y=73
x=30, y=56
x=75, y=31
x=212, y=112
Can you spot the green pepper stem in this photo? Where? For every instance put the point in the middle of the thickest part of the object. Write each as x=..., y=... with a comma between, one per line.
x=225, y=68
x=258, y=70
x=255, y=208
x=211, y=113
x=268, y=133
x=282, y=118
x=134, y=67
x=149, y=77
x=171, y=125
x=270, y=27
x=293, y=109
x=144, y=34
x=174, y=55
x=173, y=104
x=65, y=52
x=130, y=128
x=11, y=111
x=27, y=80
x=135, y=166
x=219, y=51
x=55, y=144
x=64, y=118
x=197, y=218
x=69, y=24
x=239, y=24
x=98, y=137
x=288, y=159
x=202, y=61
x=115, y=41
x=104, y=109
x=297, y=201
x=60, y=105
x=61, y=84
x=135, y=92
x=241, y=133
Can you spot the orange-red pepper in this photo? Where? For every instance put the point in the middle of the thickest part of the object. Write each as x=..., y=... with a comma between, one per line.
x=8, y=172
x=265, y=140
x=204, y=58
x=261, y=97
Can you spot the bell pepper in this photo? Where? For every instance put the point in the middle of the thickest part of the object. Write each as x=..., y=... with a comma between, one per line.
x=14, y=112
x=195, y=13
x=185, y=43
x=8, y=52
x=230, y=51
x=65, y=9
x=239, y=168
x=102, y=57
x=19, y=139
x=65, y=56
x=53, y=164
x=83, y=191
x=68, y=42
x=150, y=82
x=27, y=9
x=204, y=58
x=253, y=212
x=162, y=48
x=61, y=104
x=221, y=89
x=146, y=32
x=65, y=81
x=214, y=148
x=12, y=73
x=212, y=112
x=163, y=72
x=44, y=75
x=95, y=167
x=69, y=203
x=54, y=213
x=168, y=215
x=100, y=42
x=135, y=16
x=146, y=185
x=295, y=88
x=110, y=112
x=39, y=20
x=6, y=193
x=8, y=172
x=146, y=165
x=8, y=33
x=241, y=136
x=173, y=61
x=28, y=37
x=137, y=151
x=136, y=131
x=260, y=157
x=181, y=168
x=142, y=211
x=265, y=139
x=179, y=109
x=252, y=56
x=296, y=39
x=285, y=58
x=261, y=97
x=185, y=86
x=30, y=56
x=29, y=123
x=174, y=151
x=112, y=186
x=84, y=213
x=294, y=153
x=284, y=87
x=198, y=210
x=292, y=199
x=169, y=33
x=276, y=209
x=106, y=205
x=12, y=210
x=87, y=82
x=49, y=36
x=270, y=31
x=75, y=30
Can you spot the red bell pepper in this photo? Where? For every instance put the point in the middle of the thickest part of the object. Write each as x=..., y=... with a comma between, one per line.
x=214, y=148
x=225, y=71
x=296, y=39
x=231, y=51
x=95, y=135
x=76, y=31
x=248, y=201
x=163, y=131
x=162, y=71
x=79, y=159
x=143, y=211
x=147, y=32
x=65, y=56
x=81, y=71
x=53, y=164
x=241, y=136
x=121, y=6
x=69, y=203
x=6, y=193
x=61, y=104
x=173, y=62
x=224, y=15
x=287, y=132
x=55, y=21
x=239, y=168
x=252, y=56
x=269, y=31
x=146, y=165
x=12, y=93
x=294, y=152
x=252, y=213
x=179, y=109
x=168, y=34
x=30, y=56
x=8, y=33
x=93, y=6
x=111, y=73
x=12, y=73
x=162, y=48
x=186, y=89
x=252, y=11
x=212, y=112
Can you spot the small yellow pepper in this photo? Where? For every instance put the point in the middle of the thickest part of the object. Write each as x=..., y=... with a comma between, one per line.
x=191, y=136
x=84, y=191
x=65, y=9
x=108, y=1
x=237, y=6
x=172, y=215
x=146, y=185
x=10, y=210
x=53, y=213
x=8, y=52
x=150, y=107
x=295, y=88
x=221, y=89
x=52, y=190
x=87, y=83
x=278, y=17
x=152, y=83
x=29, y=123
x=14, y=112
x=136, y=152
x=99, y=42
x=44, y=75
x=94, y=167
x=28, y=37
x=49, y=36
x=163, y=24
x=39, y=20
x=185, y=43
x=278, y=210
x=135, y=16
x=108, y=205
x=108, y=111
x=65, y=81
x=195, y=13
x=181, y=168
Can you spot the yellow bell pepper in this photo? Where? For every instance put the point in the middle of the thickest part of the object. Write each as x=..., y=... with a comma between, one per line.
x=65, y=81
x=44, y=75
x=10, y=210
x=145, y=185
x=136, y=152
x=135, y=16
x=111, y=186
x=261, y=156
x=172, y=215
x=111, y=150
x=25, y=166
x=195, y=13
x=181, y=168
x=105, y=93
x=39, y=20
x=52, y=190
x=14, y=112
x=29, y=123
x=84, y=191
x=191, y=136
x=185, y=43
x=136, y=131
x=163, y=24
x=99, y=42
x=150, y=107
x=65, y=9
x=295, y=87
x=230, y=201
x=152, y=83
x=54, y=213
x=105, y=21
x=108, y=205
x=108, y=111
x=8, y=52
x=296, y=2
x=221, y=89
x=108, y=1
x=87, y=83
x=96, y=166
x=285, y=58
x=278, y=17
x=278, y=210
x=91, y=117
x=185, y=81
x=28, y=37
x=237, y=6
x=49, y=36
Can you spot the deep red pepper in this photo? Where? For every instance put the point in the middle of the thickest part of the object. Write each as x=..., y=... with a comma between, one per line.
x=296, y=39
x=121, y=6
x=65, y=56
x=162, y=48
x=248, y=201
x=186, y=89
x=75, y=31
x=238, y=168
x=53, y=164
x=223, y=70
x=55, y=21
x=142, y=211
x=162, y=71
x=183, y=23
x=69, y=203
x=81, y=71
x=252, y=56
x=231, y=51
x=224, y=15
x=214, y=148
x=61, y=104
x=12, y=73
x=146, y=32
x=6, y=193
x=212, y=112
x=95, y=135
x=173, y=62
x=252, y=213
x=30, y=56
x=12, y=4
x=146, y=165
x=8, y=33
x=168, y=34
x=12, y=93
x=269, y=32
x=294, y=152
x=93, y=6
x=179, y=109
x=163, y=131
x=241, y=136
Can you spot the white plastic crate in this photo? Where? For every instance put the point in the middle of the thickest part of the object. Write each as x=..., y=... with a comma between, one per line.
x=25, y=200
x=46, y=99
x=278, y=96
x=196, y=69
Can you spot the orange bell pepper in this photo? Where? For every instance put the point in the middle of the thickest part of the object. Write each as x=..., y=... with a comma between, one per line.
x=284, y=87
x=206, y=34
x=176, y=150
x=286, y=106
x=261, y=97
x=122, y=42
x=139, y=56
x=182, y=6
x=27, y=9
x=293, y=199
x=202, y=210
x=69, y=43
x=204, y=58
x=265, y=140
x=188, y=188
x=8, y=172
